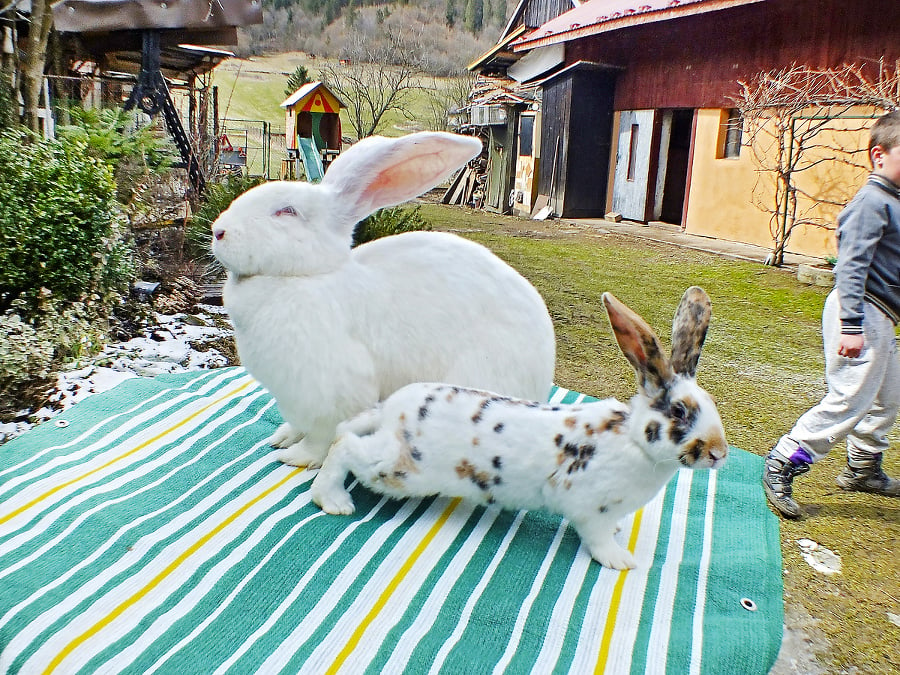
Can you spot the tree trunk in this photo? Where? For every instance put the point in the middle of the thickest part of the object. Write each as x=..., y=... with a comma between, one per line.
x=34, y=61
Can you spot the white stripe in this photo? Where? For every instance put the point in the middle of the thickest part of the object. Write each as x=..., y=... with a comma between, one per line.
x=558, y=396
x=231, y=596
x=594, y=622
x=434, y=604
x=51, y=475
x=67, y=501
x=559, y=624
x=373, y=638
x=668, y=583
x=133, y=564
x=207, y=583
x=463, y=623
x=528, y=602
x=120, y=430
x=100, y=606
x=332, y=596
x=628, y=617
x=119, y=535
x=705, y=557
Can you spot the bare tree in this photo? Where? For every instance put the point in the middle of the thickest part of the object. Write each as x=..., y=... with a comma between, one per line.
x=443, y=95
x=800, y=120
x=374, y=78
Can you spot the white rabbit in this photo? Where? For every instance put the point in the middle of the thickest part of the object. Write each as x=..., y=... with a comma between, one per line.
x=330, y=331
x=592, y=462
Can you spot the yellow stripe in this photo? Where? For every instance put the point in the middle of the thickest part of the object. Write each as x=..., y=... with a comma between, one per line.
x=389, y=590
x=63, y=486
x=616, y=600
x=159, y=578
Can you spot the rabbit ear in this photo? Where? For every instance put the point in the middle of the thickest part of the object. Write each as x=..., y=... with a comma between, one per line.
x=689, y=330
x=379, y=172
x=640, y=345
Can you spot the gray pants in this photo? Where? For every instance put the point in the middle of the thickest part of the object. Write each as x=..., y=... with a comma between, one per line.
x=863, y=394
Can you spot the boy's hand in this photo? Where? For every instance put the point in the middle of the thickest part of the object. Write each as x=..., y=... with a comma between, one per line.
x=851, y=346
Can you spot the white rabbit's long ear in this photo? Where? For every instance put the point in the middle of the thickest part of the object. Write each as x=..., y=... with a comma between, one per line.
x=640, y=345
x=689, y=330
x=379, y=172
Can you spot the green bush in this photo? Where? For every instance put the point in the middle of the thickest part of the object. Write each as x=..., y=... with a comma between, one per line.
x=386, y=222
x=59, y=229
x=216, y=198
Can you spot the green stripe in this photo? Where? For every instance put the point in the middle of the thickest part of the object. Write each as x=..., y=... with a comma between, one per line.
x=642, y=645
x=745, y=563
x=680, y=633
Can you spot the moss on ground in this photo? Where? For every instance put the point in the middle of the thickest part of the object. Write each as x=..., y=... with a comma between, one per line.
x=762, y=362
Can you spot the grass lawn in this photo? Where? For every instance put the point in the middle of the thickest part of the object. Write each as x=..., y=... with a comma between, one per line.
x=762, y=362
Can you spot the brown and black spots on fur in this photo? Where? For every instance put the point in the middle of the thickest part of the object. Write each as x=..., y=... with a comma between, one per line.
x=407, y=462
x=476, y=441
x=559, y=440
x=392, y=480
x=479, y=414
x=466, y=470
x=571, y=422
x=497, y=462
x=693, y=452
x=423, y=409
x=683, y=414
x=615, y=422
x=578, y=455
x=652, y=432
x=498, y=427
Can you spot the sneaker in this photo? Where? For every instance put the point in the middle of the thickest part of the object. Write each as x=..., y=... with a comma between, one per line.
x=778, y=477
x=869, y=478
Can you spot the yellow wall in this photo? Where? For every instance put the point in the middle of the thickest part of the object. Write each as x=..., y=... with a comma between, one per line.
x=723, y=193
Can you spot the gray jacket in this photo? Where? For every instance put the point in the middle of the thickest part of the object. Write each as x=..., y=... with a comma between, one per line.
x=868, y=266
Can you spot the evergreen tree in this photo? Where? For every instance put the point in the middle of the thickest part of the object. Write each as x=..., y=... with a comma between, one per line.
x=298, y=78
x=450, y=14
x=474, y=16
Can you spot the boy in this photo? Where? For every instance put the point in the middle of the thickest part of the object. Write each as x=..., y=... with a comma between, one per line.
x=861, y=365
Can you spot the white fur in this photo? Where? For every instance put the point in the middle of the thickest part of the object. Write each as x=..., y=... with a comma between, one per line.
x=592, y=463
x=330, y=331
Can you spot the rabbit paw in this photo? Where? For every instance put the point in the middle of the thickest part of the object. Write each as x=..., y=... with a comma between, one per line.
x=284, y=437
x=304, y=453
x=613, y=557
x=337, y=502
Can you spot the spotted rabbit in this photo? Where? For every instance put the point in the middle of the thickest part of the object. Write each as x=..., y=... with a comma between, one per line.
x=592, y=462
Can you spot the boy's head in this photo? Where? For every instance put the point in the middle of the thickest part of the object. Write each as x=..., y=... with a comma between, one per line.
x=884, y=146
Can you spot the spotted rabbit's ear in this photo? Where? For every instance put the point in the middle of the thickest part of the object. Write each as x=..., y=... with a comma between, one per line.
x=640, y=345
x=689, y=330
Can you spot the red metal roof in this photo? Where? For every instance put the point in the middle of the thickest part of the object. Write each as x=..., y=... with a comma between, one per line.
x=598, y=16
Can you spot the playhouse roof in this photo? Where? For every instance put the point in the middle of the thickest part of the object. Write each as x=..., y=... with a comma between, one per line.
x=313, y=97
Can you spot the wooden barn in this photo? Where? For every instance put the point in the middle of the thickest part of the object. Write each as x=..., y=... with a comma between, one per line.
x=638, y=115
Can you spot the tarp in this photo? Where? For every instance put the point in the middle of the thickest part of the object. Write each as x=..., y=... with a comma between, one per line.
x=153, y=530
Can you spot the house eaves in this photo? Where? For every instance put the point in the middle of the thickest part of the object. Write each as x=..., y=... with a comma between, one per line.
x=602, y=16
x=500, y=51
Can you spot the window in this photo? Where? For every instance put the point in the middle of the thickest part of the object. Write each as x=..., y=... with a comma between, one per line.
x=730, y=134
x=632, y=152
x=526, y=136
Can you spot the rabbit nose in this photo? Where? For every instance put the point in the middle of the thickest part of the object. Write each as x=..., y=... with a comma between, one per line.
x=218, y=234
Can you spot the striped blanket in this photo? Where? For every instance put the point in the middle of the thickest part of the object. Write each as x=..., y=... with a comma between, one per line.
x=152, y=530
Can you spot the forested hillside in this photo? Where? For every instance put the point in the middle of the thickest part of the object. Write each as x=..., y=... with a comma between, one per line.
x=449, y=34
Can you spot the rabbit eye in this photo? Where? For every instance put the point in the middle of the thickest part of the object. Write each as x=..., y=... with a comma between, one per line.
x=286, y=211
x=679, y=411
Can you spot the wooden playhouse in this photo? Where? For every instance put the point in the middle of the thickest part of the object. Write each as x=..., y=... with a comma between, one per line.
x=312, y=130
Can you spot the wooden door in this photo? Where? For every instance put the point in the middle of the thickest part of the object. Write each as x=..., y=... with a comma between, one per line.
x=633, y=164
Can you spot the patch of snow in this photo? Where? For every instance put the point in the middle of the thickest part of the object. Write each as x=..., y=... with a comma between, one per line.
x=819, y=558
x=166, y=347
